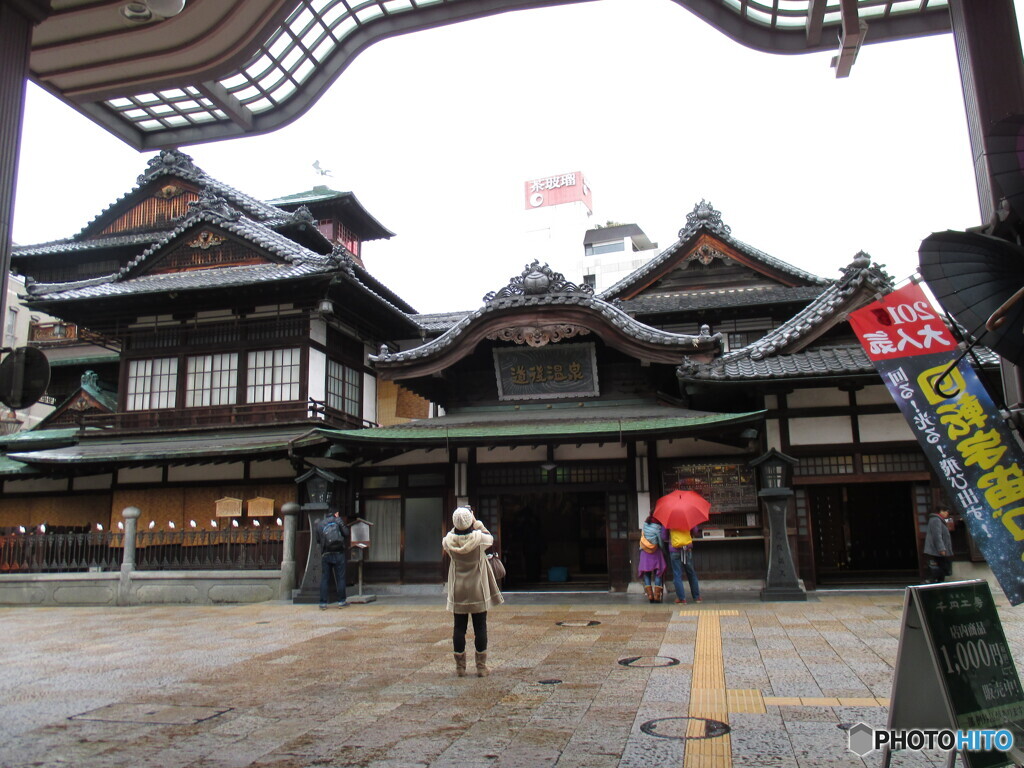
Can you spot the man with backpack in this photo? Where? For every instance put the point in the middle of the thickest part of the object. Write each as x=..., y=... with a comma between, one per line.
x=332, y=534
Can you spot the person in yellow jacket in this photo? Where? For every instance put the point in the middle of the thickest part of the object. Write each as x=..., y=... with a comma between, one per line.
x=680, y=552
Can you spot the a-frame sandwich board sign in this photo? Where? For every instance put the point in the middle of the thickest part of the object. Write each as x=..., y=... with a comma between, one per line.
x=954, y=669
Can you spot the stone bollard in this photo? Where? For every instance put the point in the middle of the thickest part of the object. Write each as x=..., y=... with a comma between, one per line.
x=131, y=521
x=290, y=510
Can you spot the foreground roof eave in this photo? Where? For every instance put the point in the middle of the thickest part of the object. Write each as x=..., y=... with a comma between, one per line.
x=600, y=430
x=186, y=449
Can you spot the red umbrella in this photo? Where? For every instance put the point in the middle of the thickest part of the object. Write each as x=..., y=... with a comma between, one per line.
x=682, y=510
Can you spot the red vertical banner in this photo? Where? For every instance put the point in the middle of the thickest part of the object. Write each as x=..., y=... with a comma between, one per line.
x=972, y=449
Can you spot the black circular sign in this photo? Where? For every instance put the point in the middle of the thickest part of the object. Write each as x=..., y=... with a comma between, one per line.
x=24, y=376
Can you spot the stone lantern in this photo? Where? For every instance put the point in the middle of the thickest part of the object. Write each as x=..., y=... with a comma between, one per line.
x=775, y=472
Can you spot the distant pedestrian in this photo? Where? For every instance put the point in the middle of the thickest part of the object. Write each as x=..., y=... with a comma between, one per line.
x=938, y=546
x=471, y=589
x=653, y=563
x=680, y=552
x=332, y=535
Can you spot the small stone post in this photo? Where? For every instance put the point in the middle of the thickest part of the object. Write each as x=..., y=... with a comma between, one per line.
x=290, y=510
x=131, y=521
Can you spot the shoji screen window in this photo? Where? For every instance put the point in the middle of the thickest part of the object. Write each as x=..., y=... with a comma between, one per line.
x=211, y=380
x=152, y=383
x=273, y=375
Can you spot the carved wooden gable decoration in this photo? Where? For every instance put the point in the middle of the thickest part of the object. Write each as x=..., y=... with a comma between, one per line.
x=203, y=247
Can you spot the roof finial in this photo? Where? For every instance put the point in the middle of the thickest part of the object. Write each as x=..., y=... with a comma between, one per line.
x=170, y=161
x=704, y=215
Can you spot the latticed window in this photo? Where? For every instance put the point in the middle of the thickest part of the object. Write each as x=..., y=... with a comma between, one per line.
x=273, y=375
x=824, y=465
x=211, y=380
x=618, y=516
x=591, y=473
x=152, y=383
x=343, y=388
x=894, y=462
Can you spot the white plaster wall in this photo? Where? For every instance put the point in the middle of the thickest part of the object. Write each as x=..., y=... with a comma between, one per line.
x=39, y=485
x=140, y=475
x=177, y=474
x=317, y=375
x=589, y=452
x=884, y=428
x=821, y=430
x=689, y=447
x=773, y=434
x=369, y=398
x=643, y=507
x=265, y=469
x=817, y=398
x=92, y=482
x=418, y=456
x=874, y=395
x=318, y=330
x=505, y=454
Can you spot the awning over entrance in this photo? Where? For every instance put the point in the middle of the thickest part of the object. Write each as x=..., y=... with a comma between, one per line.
x=577, y=424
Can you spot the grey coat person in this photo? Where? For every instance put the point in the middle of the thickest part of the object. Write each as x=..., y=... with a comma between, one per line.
x=471, y=586
x=937, y=538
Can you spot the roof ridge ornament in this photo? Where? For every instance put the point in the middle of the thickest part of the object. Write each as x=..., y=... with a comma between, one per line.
x=210, y=202
x=170, y=161
x=704, y=215
x=537, y=280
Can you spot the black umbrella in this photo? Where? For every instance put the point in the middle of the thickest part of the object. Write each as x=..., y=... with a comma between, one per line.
x=978, y=279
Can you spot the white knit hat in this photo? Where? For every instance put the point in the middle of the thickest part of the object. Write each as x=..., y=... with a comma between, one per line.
x=462, y=518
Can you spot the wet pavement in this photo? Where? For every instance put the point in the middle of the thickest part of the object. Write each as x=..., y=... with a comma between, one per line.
x=577, y=681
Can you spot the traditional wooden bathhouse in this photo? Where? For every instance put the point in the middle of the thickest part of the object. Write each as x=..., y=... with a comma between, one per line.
x=239, y=326
x=259, y=361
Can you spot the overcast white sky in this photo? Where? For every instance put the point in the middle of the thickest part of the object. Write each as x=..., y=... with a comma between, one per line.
x=437, y=131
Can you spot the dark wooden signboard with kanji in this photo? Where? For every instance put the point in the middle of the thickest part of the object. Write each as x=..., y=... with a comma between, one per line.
x=953, y=666
x=546, y=373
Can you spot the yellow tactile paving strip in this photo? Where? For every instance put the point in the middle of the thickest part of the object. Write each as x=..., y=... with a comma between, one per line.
x=709, y=698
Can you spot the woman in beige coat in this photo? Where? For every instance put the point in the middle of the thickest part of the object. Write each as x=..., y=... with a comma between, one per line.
x=472, y=588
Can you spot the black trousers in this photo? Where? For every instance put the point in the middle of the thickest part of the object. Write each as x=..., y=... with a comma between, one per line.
x=479, y=631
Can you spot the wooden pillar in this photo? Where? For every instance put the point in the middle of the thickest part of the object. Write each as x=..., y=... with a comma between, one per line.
x=17, y=17
x=992, y=77
x=988, y=50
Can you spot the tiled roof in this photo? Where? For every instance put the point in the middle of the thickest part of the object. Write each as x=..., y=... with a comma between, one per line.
x=298, y=262
x=766, y=358
x=544, y=425
x=159, y=448
x=70, y=245
x=613, y=314
x=702, y=219
x=173, y=162
x=439, y=321
x=724, y=298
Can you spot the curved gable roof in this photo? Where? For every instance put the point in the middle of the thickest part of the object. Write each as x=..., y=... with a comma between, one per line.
x=542, y=300
x=781, y=352
x=704, y=221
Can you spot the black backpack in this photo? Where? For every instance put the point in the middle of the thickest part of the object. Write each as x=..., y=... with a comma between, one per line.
x=332, y=535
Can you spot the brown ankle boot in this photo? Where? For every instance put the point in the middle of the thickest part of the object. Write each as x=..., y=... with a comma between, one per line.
x=649, y=591
x=658, y=592
x=481, y=664
x=460, y=664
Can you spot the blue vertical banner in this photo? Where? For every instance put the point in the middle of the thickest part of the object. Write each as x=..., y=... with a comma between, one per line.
x=971, y=448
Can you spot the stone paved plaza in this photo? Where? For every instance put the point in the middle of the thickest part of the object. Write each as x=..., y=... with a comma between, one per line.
x=578, y=681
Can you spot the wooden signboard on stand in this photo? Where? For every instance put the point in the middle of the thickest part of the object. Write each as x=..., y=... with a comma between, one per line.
x=954, y=670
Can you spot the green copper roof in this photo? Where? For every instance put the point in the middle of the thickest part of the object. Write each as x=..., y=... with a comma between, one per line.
x=424, y=431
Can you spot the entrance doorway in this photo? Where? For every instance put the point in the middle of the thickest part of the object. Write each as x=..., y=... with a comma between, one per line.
x=555, y=540
x=863, y=533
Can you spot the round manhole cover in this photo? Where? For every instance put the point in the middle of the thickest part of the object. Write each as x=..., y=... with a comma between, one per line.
x=677, y=728
x=648, y=661
x=578, y=623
